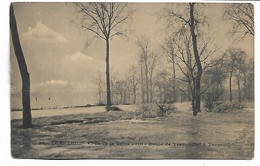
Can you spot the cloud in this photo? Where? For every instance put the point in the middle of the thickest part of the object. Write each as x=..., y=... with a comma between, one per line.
x=54, y=82
x=50, y=85
x=81, y=68
x=79, y=61
x=41, y=32
x=78, y=56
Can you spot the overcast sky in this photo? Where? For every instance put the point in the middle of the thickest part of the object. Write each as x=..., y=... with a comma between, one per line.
x=57, y=51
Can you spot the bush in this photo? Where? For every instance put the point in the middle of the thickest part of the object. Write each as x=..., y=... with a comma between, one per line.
x=164, y=109
x=146, y=111
x=114, y=108
x=100, y=104
x=211, y=100
x=153, y=111
x=229, y=106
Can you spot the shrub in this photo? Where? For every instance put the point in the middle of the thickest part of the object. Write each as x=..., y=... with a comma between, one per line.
x=146, y=111
x=153, y=111
x=211, y=100
x=114, y=108
x=164, y=109
x=229, y=106
x=100, y=104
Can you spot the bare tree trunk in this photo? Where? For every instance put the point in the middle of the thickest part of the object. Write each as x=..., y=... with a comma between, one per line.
x=189, y=94
x=151, y=87
x=121, y=98
x=99, y=97
x=146, y=81
x=99, y=93
x=129, y=97
x=173, y=81
x=142, y=85
x=221, y=88
x=230, y=87
x=160, y=95
x=245, y=86
x=193, y=94
x=193, y=103
x=27, y=118
x=151, y=92
x=197, y=58
x=134, y=98
x=107, y=76
x=124, y=98
x=134, y=93
x=238, y=87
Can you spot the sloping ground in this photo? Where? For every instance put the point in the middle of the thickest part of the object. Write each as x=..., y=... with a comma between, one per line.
x=120, y=135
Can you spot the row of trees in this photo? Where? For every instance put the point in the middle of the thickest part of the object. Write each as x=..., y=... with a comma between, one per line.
x=123, y=91
x=191, y=52
x=167, y=86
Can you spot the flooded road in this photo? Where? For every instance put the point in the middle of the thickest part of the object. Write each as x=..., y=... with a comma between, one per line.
x=119, y=135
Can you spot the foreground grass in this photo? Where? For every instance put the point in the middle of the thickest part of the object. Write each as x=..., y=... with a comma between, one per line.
x=122, y=135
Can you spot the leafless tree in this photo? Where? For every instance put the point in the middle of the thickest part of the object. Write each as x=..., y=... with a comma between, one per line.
x=169, y=49
x=244, y=72
x=186, y=63
x=100, y=82
x=249, y=76
x=133, y=81
x=238, y=75
x=147, y=60
x=142, y=82
x=27, y=118
x=242, y=17
x=152, y=60
x=163, y=87
x=105, y=21
x=192, y=23
x=212, y=82
x=189, y=23
x=144, y=44
x=234, y=60
x=114, y=78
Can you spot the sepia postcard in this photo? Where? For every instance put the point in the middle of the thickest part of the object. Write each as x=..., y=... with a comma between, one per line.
x=105, y=80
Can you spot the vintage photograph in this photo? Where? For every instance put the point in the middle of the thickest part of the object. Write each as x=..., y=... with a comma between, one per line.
x=110, y=80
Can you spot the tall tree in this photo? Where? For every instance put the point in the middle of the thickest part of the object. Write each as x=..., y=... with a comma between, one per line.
x=151, y=64
x=240, y=67
x=212, y=82
x=188, y=19
x=104, y=20
x=242, y=16
x=169, y=49
x=188, y=23
x=133, y=81
x=27, y=118
x=192, y=25
x=142, y=80
x=163, y=83
x=234, y=58
x=250, y=78
x=144, y=44
x=147, y=60
x=100, y=85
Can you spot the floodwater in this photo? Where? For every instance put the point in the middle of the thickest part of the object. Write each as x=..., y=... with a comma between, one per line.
x=119, y=135
x=58, y=112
